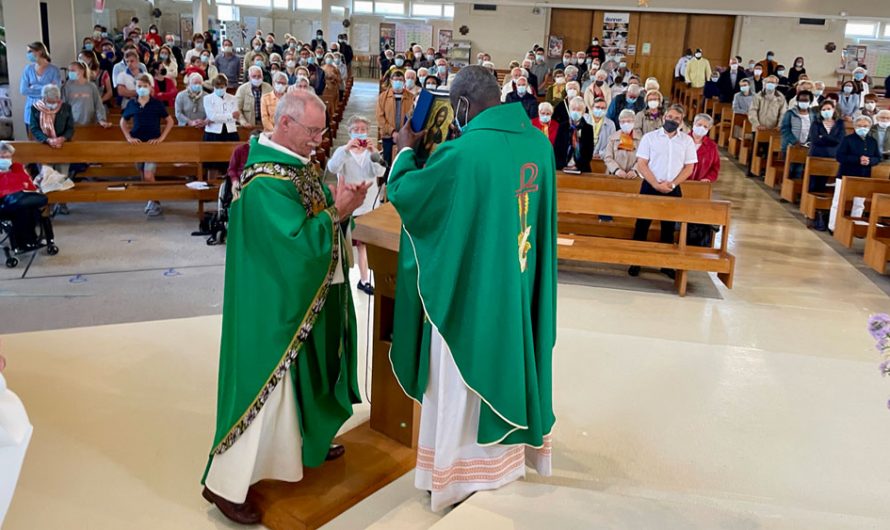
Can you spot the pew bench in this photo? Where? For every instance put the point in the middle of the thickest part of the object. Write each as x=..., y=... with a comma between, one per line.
x=740, y=145
x=679, y=256
x=846, y=226
x=758, y=160
x=821, y=200
x=877, y=238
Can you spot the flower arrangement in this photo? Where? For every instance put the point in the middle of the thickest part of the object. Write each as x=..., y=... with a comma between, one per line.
x=879, y=329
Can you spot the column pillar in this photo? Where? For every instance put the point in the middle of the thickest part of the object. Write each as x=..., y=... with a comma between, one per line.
x=326, y=22
x=22, y=20
x=201, y=11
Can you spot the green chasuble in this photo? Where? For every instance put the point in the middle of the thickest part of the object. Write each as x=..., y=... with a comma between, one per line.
x=282, y=316
x=478, y=262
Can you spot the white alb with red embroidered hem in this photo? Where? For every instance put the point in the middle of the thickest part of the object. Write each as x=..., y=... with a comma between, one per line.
x=450, y=463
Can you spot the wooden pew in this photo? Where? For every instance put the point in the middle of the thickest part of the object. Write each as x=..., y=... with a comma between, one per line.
x=812, y=201
x=744, y=143
x=846, y=226
x=775, y=162
x=794, y=154
x=95, y=133
x=758, y=161
x=722, y=115
x=676, y=256
x=195, y=153
x=877, y=238
x=619, y=227
x=727, y=129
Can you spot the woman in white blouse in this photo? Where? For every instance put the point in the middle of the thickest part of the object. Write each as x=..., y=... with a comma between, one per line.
x=221, y=109
x=357, y=162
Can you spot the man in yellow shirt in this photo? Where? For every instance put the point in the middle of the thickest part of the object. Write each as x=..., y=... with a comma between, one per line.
x=698, y=70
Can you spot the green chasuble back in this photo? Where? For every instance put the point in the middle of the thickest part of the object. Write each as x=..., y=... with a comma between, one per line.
x=478, y=262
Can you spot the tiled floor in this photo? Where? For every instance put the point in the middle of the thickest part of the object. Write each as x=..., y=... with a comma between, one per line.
x=761, y=407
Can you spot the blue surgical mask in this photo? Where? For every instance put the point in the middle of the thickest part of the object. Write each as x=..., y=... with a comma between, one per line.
x=358, y=136
x=522, y=90
x=205, y=59
x=195, y=88
x=5, y=164
x=31, y=57
x=259, y=63
x=862, y=131
x=398, y=85
x=400, y=62
x=72, y=76
x=631, y=100
x=219, y=92
x=544, y=118
x=848, y=89
x=699, y=131
x=770, y=87
x=859, y=76
x=575, y=115
x=598, y=113
x=827, y=114
x=88, y=46
x=143, y=91
x=311, y=60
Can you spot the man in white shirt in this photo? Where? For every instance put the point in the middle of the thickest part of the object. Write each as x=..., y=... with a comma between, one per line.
x=125, y=80
x=665, y=159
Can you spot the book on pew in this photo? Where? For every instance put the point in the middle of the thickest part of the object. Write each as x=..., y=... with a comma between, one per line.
x=121, y=187
x=571, y=171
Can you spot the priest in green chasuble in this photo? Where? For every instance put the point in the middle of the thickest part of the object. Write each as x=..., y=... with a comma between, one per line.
x=475, y=312
x=287, y=370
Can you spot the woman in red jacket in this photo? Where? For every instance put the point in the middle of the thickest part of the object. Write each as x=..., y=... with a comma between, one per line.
x=543, y=122
x=21, y=203
x=708, y=165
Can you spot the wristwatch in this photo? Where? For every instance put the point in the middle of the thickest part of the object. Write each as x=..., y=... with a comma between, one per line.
x=673, y=186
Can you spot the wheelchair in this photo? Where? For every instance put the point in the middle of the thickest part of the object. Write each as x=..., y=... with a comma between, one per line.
x=25, y=230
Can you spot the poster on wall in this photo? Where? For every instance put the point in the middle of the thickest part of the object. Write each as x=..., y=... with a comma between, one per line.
x=615, y=30
x=445, y=41
x=361, y=37
x=408, y=33
x=387, y=36
x=250, y=26
x=186, y=28
x=554, y=46
x=236, y=32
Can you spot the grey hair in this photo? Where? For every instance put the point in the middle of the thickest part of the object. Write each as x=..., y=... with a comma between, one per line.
x=253, y=69
x=357, y=118
x=634, y=88
x=476, y=84
x=293, y=104
x=277, y=75
x=627, y=113
x=544, y=106
x=577, y=100
x=820, y=83
x=6, y=147
x=51, y=91
x=195, y=76
x=705, y=118
x=571, y=68
x=863, y=117
x=883, y=113
x=678, y=108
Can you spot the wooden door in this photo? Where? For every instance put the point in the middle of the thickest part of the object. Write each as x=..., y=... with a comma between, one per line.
x=713, y=34
x=574, y=26
x=660, y=43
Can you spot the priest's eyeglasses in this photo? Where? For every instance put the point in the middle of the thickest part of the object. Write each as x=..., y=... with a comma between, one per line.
x=313, y=131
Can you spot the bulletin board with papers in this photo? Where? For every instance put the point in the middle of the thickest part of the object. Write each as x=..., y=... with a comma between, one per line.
x=361, y=37
x=407, y=33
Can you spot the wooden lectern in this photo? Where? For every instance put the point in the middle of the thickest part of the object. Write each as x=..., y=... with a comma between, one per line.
x=378, y=451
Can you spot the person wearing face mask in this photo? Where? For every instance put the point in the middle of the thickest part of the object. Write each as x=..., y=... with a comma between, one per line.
x=797, y=121
x=165, y=89
x=21, y=203
x=83, y=98
x=742, y=100
x=826, y=134
x=598, y=89
x=784, y=87
x=270, y=46
x=860, y=83
x=347, y=52
x=533, y=82
x=629, y=100
x=319, y=42
x=229, y=64
x=869, y=106
x=620, y=73
x=595, y=51
x=818, y=93
x=665, y=159
x=454, y=200
x=602, y=127
x=153, y=37
x=524, y=97
x=394, y=106
x=757, y=78
x=269, y=101
x=170, y=42
x=561, y=111
x=222, y=113
x=52, y=121
x=857, y=154
x=38, y=73
x=256, y=53
x=879, y=132
x=210, y=70
x=620, y=155
x=708, y=165
x=140, y=123
x=729, y=81
x=197, y=48
x=797, y=70
x=411, y=84
x=359, y=162
x=540, y=70
x=803, y=86
x=249, y=96
x=680, y=67
x=769, y=65
x=697, y=71
x=712, y=87
x=510, y=82
x=557, y=91
x=188, y=107
x=581, y=63
x=331, y=93
x=544, y=122
x=848, y=101
x=574, y=141
x=767, y=107
x=125, y=81
x=166, y=59
x=568, y=59
x=387, y=61
x=650, y=118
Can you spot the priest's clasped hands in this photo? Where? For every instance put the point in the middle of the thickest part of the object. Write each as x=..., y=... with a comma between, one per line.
x=348, y=197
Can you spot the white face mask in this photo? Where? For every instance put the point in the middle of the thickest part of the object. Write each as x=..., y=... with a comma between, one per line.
x=653, y=104
x=870, y=106
x=627, y=127
x=883, y=124
x=571, y=93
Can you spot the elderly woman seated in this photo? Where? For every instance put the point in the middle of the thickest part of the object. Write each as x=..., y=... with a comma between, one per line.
x=708, y=165
x=21, y=204
x=621, y=152
x=189, y=103
x=544, y=122
x=574, y=141
x=52, y=122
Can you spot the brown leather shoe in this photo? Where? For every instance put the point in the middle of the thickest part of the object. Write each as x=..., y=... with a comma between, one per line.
x=245, y=513
x=335, y=452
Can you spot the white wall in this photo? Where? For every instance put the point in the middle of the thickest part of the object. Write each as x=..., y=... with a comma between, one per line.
x=788, y=40
x=506, y=34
